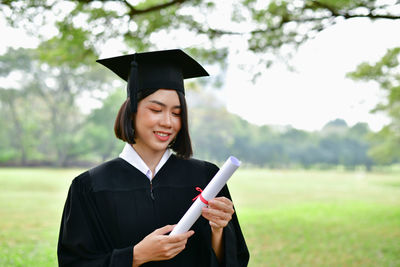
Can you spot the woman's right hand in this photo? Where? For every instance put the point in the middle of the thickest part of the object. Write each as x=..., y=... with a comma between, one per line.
x=157, y=246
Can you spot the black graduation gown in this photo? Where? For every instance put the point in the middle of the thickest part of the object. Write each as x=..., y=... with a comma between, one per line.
x=113, y=206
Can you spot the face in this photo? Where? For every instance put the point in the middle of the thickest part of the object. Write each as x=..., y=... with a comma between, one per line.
x=158, y=121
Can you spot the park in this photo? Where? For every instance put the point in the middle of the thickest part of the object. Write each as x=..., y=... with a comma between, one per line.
x=288, y=217
x=304, y=93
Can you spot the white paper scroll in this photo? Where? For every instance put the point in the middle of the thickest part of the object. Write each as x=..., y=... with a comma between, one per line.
x=211, y=190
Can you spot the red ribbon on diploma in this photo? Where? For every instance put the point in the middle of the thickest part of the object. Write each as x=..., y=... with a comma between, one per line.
x=200, y=196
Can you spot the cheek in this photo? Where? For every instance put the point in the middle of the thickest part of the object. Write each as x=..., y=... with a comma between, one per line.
x=144, y=119
x=177, y=123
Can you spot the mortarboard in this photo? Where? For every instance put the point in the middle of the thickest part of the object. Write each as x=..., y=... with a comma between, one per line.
x=154, y=70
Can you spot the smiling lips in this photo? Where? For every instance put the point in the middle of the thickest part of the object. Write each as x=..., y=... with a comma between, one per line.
x=162, y=136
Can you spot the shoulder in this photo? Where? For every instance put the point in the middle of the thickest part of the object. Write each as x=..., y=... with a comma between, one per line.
x=108, y=168
x=197, y=165
x=81, y=183
x=99, y=177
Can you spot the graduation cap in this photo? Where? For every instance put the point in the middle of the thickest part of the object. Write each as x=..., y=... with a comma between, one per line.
x=154, y=70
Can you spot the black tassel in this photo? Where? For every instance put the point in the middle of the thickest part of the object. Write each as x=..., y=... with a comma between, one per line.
x=133, y=86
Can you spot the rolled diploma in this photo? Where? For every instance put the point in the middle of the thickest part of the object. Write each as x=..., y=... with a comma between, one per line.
x=211, y=190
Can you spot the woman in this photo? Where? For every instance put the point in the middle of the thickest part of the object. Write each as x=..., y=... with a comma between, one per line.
x=120, y=212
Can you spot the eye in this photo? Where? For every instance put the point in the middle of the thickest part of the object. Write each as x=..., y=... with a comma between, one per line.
x=177, y=112
x=155, y=110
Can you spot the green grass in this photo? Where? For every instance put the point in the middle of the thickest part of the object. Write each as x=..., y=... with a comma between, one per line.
x=315, y=218
x=289, y=218
x=31, y=203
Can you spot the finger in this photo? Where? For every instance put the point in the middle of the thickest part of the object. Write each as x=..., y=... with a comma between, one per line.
x=186, y=235
x=221, y=203
x=214, y=225
x=223, y=199
x=189, y=233
x=175, y=246
x=180, y=237
x=210, y=212
x=164, y=230
x=174, y=251
x=218, y=223
x=226, y=206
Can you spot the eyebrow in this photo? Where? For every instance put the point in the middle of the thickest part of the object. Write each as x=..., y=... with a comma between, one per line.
x=162, y=104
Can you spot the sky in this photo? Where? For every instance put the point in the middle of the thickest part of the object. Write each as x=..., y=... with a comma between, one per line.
x=316, y=93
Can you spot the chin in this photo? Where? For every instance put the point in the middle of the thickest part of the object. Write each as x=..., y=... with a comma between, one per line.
x=160, y=148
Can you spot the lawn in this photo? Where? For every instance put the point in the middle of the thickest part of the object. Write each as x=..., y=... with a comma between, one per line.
x=289, y=218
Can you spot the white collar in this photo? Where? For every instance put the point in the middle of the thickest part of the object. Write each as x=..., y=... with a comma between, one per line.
x=130, y=155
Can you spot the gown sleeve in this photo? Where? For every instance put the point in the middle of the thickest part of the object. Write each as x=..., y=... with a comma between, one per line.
x=83, y=240
x=236, y=253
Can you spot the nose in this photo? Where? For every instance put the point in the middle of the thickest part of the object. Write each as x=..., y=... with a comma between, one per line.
x=166, y=120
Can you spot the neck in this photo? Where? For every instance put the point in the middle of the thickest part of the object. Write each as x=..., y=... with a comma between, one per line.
x=151, y=158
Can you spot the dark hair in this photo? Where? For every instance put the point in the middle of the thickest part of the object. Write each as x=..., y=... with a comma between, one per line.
x=125, y=121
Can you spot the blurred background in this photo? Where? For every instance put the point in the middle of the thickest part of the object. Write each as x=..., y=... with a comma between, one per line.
x=305, y=93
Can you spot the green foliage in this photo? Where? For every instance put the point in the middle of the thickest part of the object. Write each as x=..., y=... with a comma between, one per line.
x=60, y=71
x=274, y=24
x=386, y=72
x=216, y=134
x=43, y=120
x=56, y=131
x=99, y=128
x=386, y=146
x=19, y=133
x=20, y=59
x=69, y=137
x=71, y=48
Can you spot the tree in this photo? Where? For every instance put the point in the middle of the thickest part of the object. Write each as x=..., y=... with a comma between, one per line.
x=338, y=126
x=273, y=26
x=217, y=134
x=18, y=132
x=42, y=112
x=275, y=29
x=99, y=128
x=21, y=125
x=385, y=72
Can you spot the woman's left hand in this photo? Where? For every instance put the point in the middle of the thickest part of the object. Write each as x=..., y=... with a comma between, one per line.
x=218, y=212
